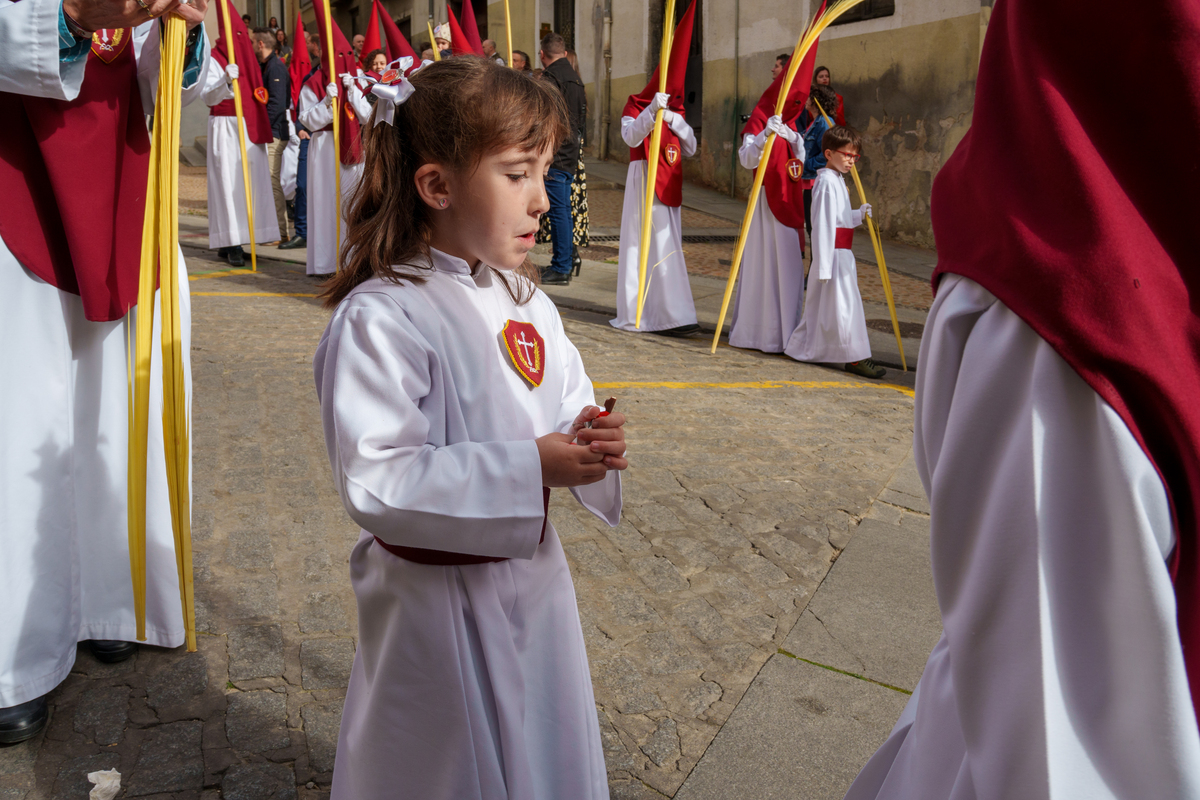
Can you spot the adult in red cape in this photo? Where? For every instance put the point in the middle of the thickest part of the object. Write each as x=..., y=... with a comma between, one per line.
x=464, y=39
x=1057, y=429
x=228, y=226
x=74, y=156
x=770, y=291
x=668, y=306
x=323, y=96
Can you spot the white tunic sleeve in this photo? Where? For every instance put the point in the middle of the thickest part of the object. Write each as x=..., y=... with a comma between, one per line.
x=362, y=109
x=315, y=113
x=687, y=136
x=146, y=39
x=216, y=89
x=29, y=48
x=749, y=154
x=604, y=497
x=374, y=372
x=634, y=130
x=825, y=204
x=1060, y=673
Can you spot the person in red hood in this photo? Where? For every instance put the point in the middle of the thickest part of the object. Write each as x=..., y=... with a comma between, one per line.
x=77, y=82
x=1057, y=430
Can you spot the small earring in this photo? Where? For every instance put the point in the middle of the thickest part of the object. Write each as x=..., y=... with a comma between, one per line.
x=442, y=202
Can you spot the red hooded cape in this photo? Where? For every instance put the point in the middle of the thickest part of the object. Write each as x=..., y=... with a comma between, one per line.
x=250, y=85
x=781, y=182
x=668, y=184
x=464, y=42
x=343, y=62
x=300, y=64
x=397, y=45
x=73, y=178
x=371, y=39
x=1088, y=240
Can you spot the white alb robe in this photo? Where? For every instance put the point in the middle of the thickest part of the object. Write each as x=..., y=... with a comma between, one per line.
x=321, y=256
x=227, y=222
x=470, y=682
x=1059, y=674
x=668, y=294
x=771, y=279
x=833, y=326
x=291, y=162
x=64, y=556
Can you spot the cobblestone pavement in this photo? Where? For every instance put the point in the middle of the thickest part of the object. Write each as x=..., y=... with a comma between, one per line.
x=748, y=476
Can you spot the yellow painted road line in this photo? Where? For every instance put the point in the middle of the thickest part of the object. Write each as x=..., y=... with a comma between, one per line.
x=252, y=294
x=755, y=385
x=218, y=274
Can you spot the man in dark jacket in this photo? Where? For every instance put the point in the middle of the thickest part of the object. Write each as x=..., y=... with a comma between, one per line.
x=562, y=170
x=278, y=85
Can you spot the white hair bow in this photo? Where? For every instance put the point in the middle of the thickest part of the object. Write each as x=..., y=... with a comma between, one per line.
x=392, y=88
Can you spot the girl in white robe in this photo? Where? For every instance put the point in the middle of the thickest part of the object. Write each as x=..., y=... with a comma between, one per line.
x=315, y=114
x=771, y=281
x=228, y=225
x=449, y=393
x=64, y=552
x=668, y=294
x=833, y=327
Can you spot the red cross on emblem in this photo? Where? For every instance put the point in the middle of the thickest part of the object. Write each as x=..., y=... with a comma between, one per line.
x=672, y=152
x=260, y=94
x=108, y=43
x=795, y=169
x=527, y=350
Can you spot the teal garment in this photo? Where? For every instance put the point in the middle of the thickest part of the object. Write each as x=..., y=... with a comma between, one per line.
x=69, y=48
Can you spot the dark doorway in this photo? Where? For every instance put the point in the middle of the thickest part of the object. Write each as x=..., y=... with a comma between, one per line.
x=693, y=82
x=564, y=21
x=481, y=15
x=405, y=26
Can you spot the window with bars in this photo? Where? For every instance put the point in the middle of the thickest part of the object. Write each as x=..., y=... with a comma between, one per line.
x=868, y=9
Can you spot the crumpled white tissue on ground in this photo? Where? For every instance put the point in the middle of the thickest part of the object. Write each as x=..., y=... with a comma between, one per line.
x=108, y=783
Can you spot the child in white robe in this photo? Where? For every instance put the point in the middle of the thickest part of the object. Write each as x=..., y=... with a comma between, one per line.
x=451, y=400
x=833, y=327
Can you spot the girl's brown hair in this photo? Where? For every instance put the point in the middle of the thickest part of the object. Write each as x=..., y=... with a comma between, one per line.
x=463, y=108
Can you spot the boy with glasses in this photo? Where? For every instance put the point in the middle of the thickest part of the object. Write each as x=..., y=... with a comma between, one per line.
x=833, y=327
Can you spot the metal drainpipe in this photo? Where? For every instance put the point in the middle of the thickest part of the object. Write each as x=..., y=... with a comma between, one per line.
x=737, y=31
x=606, y=84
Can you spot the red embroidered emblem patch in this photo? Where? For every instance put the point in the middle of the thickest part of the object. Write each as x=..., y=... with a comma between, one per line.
x=107, y=43
x=349, y=112
x=391, y=76
x=527, y=350
x=260, y=94
x=672, y=153
x=795, y=169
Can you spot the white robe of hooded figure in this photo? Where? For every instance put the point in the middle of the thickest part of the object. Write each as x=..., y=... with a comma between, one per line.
x=771, y=280
x=64, y=552
x=1059, y=674
x=291, y=162
x=227, y=222
x=669, y=294
x=469, y=682
x=833, y=326
x=315, y=114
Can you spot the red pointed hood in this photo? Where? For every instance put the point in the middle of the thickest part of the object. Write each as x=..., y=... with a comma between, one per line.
x=676, y=69
x=343, y=62
x=471, y=27
x=250, y=85
x=300, y=64
x=460, y=45
x=397, y=45
x=371, y=39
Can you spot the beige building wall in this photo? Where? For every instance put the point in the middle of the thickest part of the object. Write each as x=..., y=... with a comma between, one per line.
x=908, y=82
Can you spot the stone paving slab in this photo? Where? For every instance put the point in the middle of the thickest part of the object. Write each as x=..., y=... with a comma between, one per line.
x=749, y=474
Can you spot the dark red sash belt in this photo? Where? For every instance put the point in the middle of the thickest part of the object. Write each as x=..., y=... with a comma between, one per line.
x=441, y=558
x=843, y=239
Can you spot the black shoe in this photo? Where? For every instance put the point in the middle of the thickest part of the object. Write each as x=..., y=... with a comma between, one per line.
x=866, y=368
x=18, y=723
x=576, y=260
x=294, y=242
x=235, y=257
x=552, y=278
x=110, y=651
x=682, y=330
